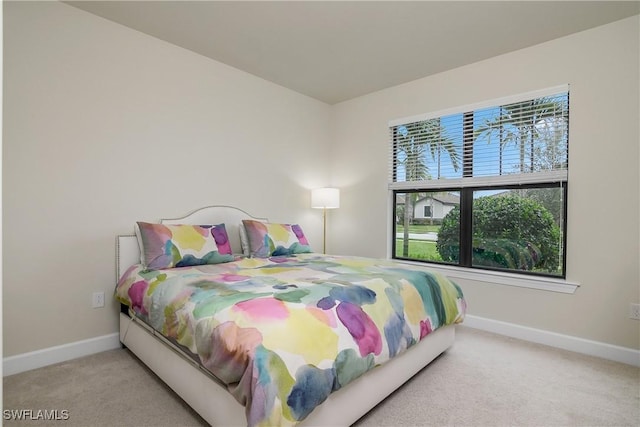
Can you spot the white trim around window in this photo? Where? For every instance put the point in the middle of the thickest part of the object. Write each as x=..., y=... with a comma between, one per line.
x=501, y=278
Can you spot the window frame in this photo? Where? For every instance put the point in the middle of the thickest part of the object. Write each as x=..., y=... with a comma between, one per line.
x=466, y=244
x=467, y=185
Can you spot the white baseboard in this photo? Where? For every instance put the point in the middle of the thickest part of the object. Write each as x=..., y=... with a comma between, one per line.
x=61, y=353
x=552, y=339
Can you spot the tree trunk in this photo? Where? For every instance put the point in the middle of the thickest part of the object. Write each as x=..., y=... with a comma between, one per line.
x=408, y=214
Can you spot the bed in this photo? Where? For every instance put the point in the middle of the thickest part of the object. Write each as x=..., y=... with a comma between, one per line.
x=267, y=332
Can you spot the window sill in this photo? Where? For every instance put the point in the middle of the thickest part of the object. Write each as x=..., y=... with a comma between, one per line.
x=500, y=278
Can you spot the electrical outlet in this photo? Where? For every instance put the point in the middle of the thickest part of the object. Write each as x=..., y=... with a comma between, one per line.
x=98, y=300
x=634, y=311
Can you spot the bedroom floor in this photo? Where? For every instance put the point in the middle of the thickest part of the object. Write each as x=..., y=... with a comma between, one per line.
x=483, y=380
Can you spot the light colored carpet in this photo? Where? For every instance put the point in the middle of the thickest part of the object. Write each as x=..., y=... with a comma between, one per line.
x=483, y=380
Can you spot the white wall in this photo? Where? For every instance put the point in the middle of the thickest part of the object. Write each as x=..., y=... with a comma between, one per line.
x=601, y=66
x=104, y=126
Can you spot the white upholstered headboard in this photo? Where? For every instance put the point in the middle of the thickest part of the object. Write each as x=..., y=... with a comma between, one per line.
x=128, y=250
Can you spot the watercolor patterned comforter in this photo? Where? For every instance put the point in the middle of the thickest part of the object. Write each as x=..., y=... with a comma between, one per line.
x=285, y=332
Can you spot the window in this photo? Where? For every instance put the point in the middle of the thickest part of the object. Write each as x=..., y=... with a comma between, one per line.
x=484, y=186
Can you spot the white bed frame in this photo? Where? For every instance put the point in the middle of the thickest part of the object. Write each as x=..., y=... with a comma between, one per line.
x=209, y=398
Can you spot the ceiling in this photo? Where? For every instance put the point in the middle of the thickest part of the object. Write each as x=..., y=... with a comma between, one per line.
x=337, y=50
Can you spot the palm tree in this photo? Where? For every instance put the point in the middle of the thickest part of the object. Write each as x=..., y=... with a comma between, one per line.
x=413, y=142
x=525, y=124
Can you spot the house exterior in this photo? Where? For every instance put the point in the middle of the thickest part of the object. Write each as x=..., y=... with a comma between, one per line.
x=435, y=206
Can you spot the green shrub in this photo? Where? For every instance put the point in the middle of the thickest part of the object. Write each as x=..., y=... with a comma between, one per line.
x=508, y=232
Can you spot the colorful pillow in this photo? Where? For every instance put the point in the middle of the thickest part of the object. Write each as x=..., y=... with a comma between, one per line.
x=182, y=245
x=270, y=239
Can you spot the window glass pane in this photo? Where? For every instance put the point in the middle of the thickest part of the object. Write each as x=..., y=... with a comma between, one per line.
x=419, y=220
x=519, y=230
x=523, y=137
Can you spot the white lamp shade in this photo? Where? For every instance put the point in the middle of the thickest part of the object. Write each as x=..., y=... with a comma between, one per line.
x=327, y=198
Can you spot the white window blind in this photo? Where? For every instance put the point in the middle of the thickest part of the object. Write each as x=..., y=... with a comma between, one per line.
x=517, y=140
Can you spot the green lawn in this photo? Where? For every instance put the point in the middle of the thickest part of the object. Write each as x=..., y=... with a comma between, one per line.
x=419, y=249
x=418, y=228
